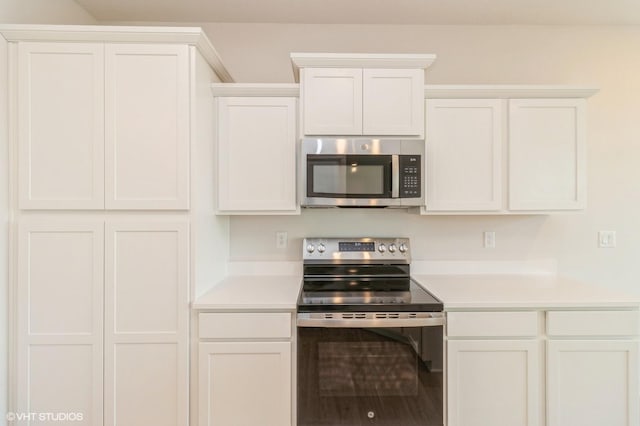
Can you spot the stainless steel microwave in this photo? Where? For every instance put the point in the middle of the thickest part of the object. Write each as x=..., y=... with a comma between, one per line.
x=361, y=172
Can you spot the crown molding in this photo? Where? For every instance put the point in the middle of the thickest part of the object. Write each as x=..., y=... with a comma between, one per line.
x=255, y=89
x=359, y=60
x=446, y=91
x=193, y=36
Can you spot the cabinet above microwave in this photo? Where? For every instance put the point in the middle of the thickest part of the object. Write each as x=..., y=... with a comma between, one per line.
x=353, y=95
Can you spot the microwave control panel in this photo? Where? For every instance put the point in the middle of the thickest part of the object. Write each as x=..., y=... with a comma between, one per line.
x=410, y=176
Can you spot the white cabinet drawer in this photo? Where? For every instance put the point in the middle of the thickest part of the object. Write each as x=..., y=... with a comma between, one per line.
x=249, y=325
x=492, y=324
x=592, y=323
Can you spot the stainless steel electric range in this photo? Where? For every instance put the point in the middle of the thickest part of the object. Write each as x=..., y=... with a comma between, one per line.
x=369, y=337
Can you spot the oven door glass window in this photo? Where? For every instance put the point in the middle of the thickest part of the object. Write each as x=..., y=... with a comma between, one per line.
x=349, y=176
x=361, y=376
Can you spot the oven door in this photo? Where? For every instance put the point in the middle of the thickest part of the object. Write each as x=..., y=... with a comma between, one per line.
x=370, y=376
x=334, y=179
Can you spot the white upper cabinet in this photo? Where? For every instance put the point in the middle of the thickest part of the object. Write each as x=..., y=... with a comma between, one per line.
x=491, y=150
x=348, y=94
x=60, y=94
x=147, y=126
x=103, y=126
x=351, y=101
x=547, y=158
x=464, y=154
x=257, y=155
x=393, y=101
x=332, y=101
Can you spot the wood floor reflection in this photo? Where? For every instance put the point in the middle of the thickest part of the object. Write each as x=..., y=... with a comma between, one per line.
x=358, y=377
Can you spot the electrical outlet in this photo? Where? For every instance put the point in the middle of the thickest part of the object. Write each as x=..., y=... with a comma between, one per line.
x=281, y=240
x=607, y=239
x=489, y=239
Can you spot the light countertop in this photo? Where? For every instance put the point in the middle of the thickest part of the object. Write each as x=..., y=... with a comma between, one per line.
x=252, y=292
x=520, y=291
x=276, y=286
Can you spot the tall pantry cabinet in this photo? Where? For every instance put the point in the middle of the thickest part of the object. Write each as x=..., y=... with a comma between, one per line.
x=102, y=130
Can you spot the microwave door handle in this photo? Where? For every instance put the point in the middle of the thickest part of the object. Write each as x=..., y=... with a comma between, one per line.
x=395, y=176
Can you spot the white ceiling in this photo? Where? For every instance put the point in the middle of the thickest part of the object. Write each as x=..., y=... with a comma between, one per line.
x=447, y=12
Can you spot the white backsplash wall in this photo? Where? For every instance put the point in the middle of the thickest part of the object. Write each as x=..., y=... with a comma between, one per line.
x=568, y=238
x=432, y=237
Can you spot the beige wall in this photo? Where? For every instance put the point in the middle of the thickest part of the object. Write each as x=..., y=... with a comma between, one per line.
x=43, y=12
x=604, y=57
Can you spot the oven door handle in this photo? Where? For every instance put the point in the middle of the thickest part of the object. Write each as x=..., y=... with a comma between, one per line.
x=434, y=321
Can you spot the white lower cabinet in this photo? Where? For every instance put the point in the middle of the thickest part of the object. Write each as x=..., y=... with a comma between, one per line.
x=245, y=384
x=497, y=371
x=245, y=375
x=146, y=324
x=59, y=333
x=493, y=382
x=592, y=368
x=493, y=364
x=102, y=320
x=592, y=383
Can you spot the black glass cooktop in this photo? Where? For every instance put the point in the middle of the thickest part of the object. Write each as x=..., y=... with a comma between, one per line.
x=366, y=295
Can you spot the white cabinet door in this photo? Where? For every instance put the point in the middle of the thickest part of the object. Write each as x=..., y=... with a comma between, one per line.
x=60, y=125
x=393, y=102
x=257, y=155
x=332, y=101
x=493, y=382
x=592, y=383
x=147, y=127
x=146, y=324
x=464, y=154
x=245, y=384
x=59, y=312
x=547, y=158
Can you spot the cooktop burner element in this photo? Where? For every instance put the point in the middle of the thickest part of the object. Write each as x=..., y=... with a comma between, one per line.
x=361, y=275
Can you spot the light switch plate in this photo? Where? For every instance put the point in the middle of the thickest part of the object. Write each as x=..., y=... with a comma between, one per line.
x=489, y=239
x=281, y=240
x=607, y=239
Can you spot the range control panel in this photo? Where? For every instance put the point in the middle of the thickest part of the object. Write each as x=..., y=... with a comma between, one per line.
x=361, y=249
x=410, y=176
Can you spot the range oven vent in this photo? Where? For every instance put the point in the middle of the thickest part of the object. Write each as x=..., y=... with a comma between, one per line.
x=370, y=315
